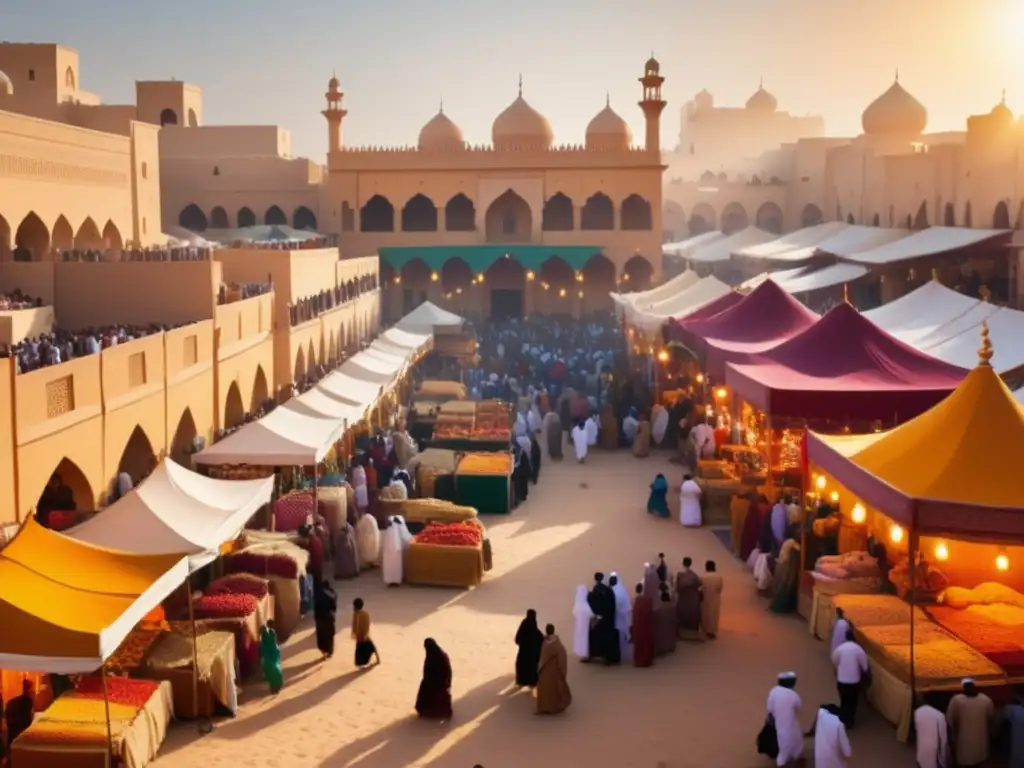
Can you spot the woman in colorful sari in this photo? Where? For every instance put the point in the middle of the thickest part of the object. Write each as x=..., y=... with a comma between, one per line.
x=434, y=698
x=657, y=502
x=270, y=658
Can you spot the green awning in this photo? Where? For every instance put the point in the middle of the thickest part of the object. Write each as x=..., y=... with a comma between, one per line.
x=481, y=257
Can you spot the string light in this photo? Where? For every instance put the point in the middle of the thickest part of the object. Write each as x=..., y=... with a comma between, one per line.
x=1002, y=562
x=858, y=514
x=941, y=551
x=820, y=482
x=579, y=277
x=896, y=534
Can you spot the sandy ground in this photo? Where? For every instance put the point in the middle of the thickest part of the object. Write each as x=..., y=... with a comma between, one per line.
x=700, y=707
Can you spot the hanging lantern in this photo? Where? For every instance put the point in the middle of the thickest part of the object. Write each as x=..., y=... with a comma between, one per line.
x=663, y=356
x=434, y=277
x=941, y=551
x=721, y=392
x=896, y=534
x=820, y=482
x=834, y=497
x=530, y=274
x=579, y=277
x=1002, y=562
x=700, y=378
x=398, y=279
x=580, y=294
x=561, y=293
x=458, y=291
x=858, y=514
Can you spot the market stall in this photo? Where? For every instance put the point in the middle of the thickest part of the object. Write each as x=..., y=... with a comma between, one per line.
x=434, y=472
x=484, y=481
x=277, y=558
x=446, y=555
x=170, y=659
x=473, y=426
x=941, y=496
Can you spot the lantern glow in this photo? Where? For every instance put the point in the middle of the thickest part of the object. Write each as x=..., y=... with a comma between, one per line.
x=820, y=482
x=858, y=514
x=896, y=534
x=434, y=277
x=663, y=356
x=941, y=551
x=834, y=497
x=721, y=392
x=1002, y=562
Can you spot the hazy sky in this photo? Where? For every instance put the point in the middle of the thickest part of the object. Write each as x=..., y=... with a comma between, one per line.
x=263, y=62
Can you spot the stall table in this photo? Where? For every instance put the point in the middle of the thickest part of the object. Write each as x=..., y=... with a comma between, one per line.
x=171, y=659
x=488, y=493
x=444, y=566
x=245, y=629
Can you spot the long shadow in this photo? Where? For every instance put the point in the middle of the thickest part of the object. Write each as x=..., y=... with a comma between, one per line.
x=408, y=740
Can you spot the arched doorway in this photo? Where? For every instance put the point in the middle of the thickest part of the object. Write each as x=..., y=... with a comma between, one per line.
x=192, y=218
x=260, y=390
x=598, y=283
x=168, y=117
x=415, y=282
x=640, y=273
x=558, y=214
x=1001, y=216
x=5, y=240
x=769, y=218
x=673, y=221
x=246, y=217
x=219, y=218
x=112, y=237
x=456, y=276
x=378, y=215
x=311, y=361
x=299, y=371
x=184, y=438
x=557, y=288
x=67, y=485
x=304, y=218
x=949, y=215
x=508, y=219
x=419, y=214
x=921, y=219
x=734, y=218
x=63, y=235
x=32, y=238
x=598, y=213
x=635, y=215
x=88, y=236
x=234, y=410
x=138, y=458
x=506, y=281
x=274, y=217
x=348, y=218
x=460, y=214
x=332, y=349
x=811, y=216
x=702, y=219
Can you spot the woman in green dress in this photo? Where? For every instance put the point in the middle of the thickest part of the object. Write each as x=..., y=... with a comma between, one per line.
x=270, y=658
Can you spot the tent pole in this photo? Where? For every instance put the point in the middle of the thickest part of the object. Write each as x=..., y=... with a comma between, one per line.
x=204, y=726
x=106, y=711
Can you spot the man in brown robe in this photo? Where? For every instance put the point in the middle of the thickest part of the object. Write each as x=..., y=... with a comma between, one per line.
x=688, y=602
x=711, y=599
x=553, y=694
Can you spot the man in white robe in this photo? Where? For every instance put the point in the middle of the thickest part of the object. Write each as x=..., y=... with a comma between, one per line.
x=630, y=425
x=579, y=441
x=533, y=419
x=831, y=744
x=839, y=630
x=396, y=541
x=659, y=424
x=368, y=541
x=582, y=615
x=932, y=735
x=520, y=426
x=784, y=706
x=592, y=430
x=623, y=616
x=689, y=503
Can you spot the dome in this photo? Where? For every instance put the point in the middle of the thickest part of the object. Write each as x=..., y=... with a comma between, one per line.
x=652, y=66
x=520, y=125
x=704, y=100
x=440, y=133
x=895, y=111
x=333, y=83
x=608, y=131
x=762, y=100
x=1001, y=111
x=6, y=86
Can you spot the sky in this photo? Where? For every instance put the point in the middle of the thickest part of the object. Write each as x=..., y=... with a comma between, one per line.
x=263, y=62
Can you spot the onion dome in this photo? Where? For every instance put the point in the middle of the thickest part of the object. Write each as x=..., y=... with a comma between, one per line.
x=441, y=134
x=608, y=131
x=333, y=83
x=6, y=86
x=895, y=112
x=704, y=100
x=652, y=67
x=1002, y=112
x=762, y=100
x=521, y=126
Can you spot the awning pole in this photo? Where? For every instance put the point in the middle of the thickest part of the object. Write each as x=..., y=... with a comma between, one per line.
x=106, y=711
x=205, y=724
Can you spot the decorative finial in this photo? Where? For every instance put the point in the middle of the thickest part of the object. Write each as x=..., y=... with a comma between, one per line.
x=760, y=84
x=846, y=293
x=607, y=99
x=520, y=85
x=986, y=351
x=1003, y=102
x=897, y=74
x=440, y=108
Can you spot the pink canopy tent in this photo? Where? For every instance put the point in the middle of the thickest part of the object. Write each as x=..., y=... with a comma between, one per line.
x=674, y=327
x=765, y=318
x=843, y=367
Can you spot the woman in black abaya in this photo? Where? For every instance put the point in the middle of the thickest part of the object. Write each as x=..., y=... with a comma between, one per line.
x=529, y=639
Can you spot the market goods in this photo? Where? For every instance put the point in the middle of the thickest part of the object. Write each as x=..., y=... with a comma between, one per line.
x=485, y=464
x=74, y=719
x=239, y=472
x=437, y=510
x=847, y=566
x=988, y=593
x=473, y=433
x=120, y=690
x=938, y=660
x=451, y=535
x=251, y=562
x=133, y=650
x=238, y=584
x=876, y=610
x=225, y=606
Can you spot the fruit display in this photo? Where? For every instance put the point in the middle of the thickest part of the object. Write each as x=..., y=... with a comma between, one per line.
x=450, y=535
x=238, y=584
x=485, y=464
x=130, y=655
x=225, y=606
x=252, y=562
x=473, y=433
x=74, y=720
x=120, y=690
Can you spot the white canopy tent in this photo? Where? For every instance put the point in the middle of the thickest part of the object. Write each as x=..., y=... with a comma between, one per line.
x=922, y=312
x=780, y=276
x=627, y=304
x=721, y=250
x=1006, y=330
x=177, y=511
x=813, y=280
x=706, y=290
x=808, y=237
x=927, y=242
x=428, y=316
x=969, y=321
x=849, y=240
x=683, y=248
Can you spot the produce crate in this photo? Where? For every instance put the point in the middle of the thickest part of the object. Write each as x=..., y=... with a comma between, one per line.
x=488, y=494
x=443, y=566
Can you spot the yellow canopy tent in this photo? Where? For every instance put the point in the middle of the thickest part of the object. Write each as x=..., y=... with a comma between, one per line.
x=954, y=470
x=66, y=606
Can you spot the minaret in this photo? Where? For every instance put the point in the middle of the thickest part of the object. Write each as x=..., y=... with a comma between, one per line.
x=652, y=103
x=334, y=114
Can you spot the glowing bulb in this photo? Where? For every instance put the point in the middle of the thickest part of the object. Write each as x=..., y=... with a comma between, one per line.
x=580, y=294
x=896, y=534
x=858, y=514
x=663, y=356
x=941, y=551
x=834, y=497
x=480, y=277
x=398, y=279
x=458, y=291
x=530, y=274
x=579, y=277
x=720, y=393
x=625, y=277
x=561, y=292
x=1002, y=562
x=434, y=277
x=820, y=482
x=700, y=378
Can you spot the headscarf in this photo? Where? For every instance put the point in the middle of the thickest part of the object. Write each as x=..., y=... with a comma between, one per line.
x=622, y=603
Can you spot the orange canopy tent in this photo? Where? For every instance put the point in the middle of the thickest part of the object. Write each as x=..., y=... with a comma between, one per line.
x=954, y=470
x=65, y=606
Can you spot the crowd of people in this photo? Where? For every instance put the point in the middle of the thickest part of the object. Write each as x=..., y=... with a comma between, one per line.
x=17, y=300
x=59, y=346
x=228, y=293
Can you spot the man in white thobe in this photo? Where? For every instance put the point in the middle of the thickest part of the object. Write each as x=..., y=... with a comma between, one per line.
x=932, y=735
x=392, y=559
x=831, y=744
x=592, y=430
x=579, y=441
x=784, y=706
x=839, y=630
x=623, y=616
x=851, y=663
